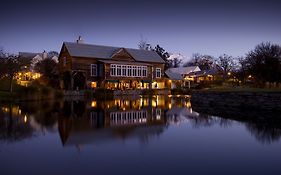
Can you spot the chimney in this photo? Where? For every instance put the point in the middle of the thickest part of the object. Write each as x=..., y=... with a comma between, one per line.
x=80, y=41
x=45, y=54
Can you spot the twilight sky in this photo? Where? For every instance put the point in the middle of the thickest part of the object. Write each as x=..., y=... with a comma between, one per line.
x=208, y=27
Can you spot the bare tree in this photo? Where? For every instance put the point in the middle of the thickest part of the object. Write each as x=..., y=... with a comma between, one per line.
x=144, y=45
x=204, y=62
x=53, y=53
x=176, y=62
x=264, y=62
x=225, y=64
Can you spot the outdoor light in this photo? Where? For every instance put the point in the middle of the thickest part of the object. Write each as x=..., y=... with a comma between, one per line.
x=25, y=119
x=94, y=104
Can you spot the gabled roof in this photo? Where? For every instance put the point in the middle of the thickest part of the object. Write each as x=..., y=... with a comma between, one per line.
x=145, y=55
x=184, y=70
x=173, y=76
x=106, y=52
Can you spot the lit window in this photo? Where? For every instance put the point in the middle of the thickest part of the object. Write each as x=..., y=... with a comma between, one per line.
x=124, y=71
x=94, y=70
x=94, y=84
x=134, y=71
x=144, y=71
x=129, y=71
x=118, y=70
x=158, y=73
x=139, y=71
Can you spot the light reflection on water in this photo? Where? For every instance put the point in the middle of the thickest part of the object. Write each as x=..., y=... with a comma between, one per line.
x=161, y=124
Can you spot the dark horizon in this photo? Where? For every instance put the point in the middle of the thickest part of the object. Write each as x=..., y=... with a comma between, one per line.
x=206, y=27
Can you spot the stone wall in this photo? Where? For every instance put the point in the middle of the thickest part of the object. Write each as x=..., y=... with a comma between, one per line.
x=238, y=100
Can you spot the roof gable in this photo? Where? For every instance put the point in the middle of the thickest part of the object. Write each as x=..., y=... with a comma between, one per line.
x=122, y=55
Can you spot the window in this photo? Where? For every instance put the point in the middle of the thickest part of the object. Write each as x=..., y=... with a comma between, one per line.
x=129, y=71
x=112, y=70
x=94, y=84
x=134, y=71
x=94, y=70
x=124, y=71
x=118, y=70
x=158, y=73
x=144, y=71
x=139, y=71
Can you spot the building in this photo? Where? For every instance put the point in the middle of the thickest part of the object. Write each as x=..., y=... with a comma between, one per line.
x=85, y=66
x=175, y=79
x=182, y=75
x=28, y=74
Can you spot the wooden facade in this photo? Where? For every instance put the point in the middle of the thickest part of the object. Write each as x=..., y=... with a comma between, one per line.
x=84, y=66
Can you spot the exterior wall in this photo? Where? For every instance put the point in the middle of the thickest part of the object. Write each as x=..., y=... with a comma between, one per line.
x=65, y=55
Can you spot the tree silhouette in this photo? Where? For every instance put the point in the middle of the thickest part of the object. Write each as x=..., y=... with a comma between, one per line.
x=264, y=62
x=49, y=70
x=225, y=64
x=205, y=62
x=164, y=55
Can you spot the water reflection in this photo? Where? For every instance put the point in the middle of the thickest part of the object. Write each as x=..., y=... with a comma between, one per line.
x=80, y=122
x=14, y=125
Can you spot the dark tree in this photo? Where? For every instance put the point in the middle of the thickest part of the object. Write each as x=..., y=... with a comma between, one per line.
x=49, y=70
x=225, y=64
x=241, y=71
x=205, y=62
x=264, y=62
x=176, y=62
x=53, y=53
x=164, y=55
x=144, y=45
x=12, y=66
x=2, y=63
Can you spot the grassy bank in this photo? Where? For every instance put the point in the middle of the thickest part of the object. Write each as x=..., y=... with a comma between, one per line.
x=22, y=93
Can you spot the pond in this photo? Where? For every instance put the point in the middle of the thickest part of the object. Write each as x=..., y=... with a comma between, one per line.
x=157, y=135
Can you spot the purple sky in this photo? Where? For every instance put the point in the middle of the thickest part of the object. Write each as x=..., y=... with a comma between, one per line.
x=186, y=27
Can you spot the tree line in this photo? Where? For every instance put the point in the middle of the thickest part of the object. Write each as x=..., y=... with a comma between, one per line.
x=11, y=64
x=262, y=64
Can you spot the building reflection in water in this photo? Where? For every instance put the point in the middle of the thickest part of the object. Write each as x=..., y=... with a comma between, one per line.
x=115, y=119
x=91, y=122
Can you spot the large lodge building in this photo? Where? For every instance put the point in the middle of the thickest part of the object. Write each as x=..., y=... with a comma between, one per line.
x=89, y=66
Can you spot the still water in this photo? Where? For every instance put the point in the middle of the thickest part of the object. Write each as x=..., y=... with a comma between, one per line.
x=159, y=135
